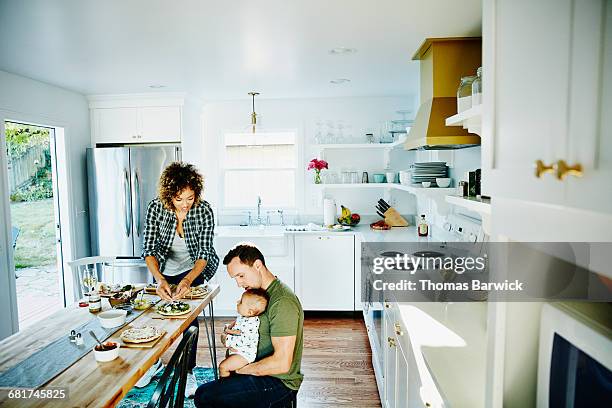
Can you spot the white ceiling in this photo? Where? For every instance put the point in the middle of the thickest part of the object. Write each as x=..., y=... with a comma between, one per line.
x=221, y=49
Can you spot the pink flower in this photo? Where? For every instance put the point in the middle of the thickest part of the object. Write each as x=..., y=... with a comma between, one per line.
x=317, y=164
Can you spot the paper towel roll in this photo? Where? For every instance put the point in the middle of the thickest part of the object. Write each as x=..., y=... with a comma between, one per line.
x=329, y=211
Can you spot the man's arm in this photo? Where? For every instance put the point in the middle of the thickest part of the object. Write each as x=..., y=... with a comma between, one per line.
x=279, y=362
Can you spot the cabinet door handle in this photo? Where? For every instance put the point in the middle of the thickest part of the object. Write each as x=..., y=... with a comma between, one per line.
x=563, y=169
x=541, y=168
x=398, y=329
x=391, y=341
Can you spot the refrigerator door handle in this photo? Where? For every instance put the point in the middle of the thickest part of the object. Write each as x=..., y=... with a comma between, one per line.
x=126, y=195
x=136, y=200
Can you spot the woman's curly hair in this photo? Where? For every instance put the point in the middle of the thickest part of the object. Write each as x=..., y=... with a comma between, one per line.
x=175, y=178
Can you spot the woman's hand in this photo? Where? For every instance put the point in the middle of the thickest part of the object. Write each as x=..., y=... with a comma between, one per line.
x=182, y=289
x=164, y=291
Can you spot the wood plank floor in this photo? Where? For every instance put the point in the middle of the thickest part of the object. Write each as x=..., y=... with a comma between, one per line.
x=336, y=361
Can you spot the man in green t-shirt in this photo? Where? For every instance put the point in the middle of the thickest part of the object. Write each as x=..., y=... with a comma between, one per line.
x=274, y=377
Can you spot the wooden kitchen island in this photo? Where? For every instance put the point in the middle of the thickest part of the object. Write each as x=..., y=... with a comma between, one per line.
x=87, y=382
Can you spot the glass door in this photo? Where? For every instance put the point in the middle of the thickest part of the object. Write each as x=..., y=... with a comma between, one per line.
x=35, y=221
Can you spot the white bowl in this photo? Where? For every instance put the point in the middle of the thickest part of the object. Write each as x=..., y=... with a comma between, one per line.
x=443, y=182
x=106, y=355
x=426, y=183
x=112, y=318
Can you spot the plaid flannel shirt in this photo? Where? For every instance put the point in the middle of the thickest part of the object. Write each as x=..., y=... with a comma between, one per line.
x=198, y=226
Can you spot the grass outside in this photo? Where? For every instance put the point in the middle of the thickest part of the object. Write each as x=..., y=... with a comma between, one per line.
x=36, y=241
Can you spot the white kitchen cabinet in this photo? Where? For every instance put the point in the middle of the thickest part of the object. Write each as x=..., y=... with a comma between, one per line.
x=137, y=125
x=547, y=98
x=324, y=271
x=278, y=254
x=160, y=124
x=389, y=345
x=140, y=118
x=115, y=125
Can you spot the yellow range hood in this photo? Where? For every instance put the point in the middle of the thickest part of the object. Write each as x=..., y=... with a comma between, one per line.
x=443, y=62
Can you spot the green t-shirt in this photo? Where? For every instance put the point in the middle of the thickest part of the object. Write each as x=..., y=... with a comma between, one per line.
x=283, y=317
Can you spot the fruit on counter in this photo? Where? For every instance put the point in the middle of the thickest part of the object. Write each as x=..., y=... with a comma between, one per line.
x=380, y=225
x=348, y=218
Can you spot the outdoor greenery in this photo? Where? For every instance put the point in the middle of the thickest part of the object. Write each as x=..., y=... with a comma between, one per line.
x=36, y=241
x=19, y=139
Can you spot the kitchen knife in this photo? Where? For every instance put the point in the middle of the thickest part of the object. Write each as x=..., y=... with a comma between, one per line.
x=384, y=205
x=381, y=214
x=381, y=208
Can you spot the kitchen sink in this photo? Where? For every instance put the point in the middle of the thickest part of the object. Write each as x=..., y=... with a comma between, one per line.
x=250, y=230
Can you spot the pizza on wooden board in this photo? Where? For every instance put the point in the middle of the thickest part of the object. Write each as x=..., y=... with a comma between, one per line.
x=141, y=334
x=174, y=309
x=195, y=292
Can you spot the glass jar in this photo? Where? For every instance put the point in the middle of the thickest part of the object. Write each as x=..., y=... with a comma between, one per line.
x=477, y=88
x=95, y=303
x=464, y=93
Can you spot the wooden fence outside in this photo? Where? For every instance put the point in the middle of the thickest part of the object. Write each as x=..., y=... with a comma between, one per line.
x=22, y=170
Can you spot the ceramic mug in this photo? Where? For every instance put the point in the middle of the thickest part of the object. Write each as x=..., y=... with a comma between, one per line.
x=378, y=178
x=390, y=177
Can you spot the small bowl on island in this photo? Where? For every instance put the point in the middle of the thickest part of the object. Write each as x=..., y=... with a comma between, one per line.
x=108, y=353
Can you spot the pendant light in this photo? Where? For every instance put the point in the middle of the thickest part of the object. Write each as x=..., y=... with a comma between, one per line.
x=253, y=114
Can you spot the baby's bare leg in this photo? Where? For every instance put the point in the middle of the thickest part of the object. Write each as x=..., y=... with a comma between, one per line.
x=231, y=363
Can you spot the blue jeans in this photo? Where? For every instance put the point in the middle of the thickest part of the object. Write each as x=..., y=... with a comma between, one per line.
x=242, y=391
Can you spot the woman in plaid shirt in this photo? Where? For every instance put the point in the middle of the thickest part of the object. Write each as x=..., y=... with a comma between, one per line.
x=178, y=238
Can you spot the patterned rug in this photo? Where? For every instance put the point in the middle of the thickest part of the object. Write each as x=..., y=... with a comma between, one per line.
x=139, y=397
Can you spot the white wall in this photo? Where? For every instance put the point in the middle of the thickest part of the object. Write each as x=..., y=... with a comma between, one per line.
x=26, y=100
x=302, y=114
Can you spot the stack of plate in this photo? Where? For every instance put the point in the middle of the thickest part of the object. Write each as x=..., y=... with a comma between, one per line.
x=428, y=171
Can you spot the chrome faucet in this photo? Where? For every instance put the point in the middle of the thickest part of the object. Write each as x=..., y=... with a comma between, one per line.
x=282, y=218
x=258, y=219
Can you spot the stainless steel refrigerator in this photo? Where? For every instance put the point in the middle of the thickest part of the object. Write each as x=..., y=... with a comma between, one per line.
x=122, y=181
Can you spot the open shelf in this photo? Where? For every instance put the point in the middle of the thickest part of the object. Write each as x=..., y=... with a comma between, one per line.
x=470, y=119
x=371, y=146
x=390, y=186
x=479, y=205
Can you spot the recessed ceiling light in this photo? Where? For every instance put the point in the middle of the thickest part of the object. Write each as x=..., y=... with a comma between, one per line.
x=157, y=86
x=342, y=51
x=340, y=81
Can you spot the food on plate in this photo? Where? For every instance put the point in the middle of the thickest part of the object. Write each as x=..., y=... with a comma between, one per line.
x=173, y=308
x=348, y=218
x=380, y=225
x=108, y=289
x=141, y=334
x=196, y=291
x=141, y=304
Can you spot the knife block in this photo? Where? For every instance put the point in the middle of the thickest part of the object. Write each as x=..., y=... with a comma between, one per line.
x=394, y=219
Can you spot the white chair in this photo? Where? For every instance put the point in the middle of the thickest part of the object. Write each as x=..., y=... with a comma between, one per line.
x=105, y=268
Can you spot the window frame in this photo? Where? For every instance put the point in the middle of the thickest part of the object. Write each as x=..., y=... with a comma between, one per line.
x=224, y=210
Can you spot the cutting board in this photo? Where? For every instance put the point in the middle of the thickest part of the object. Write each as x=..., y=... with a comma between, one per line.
x=148, y=344
x=156, y=315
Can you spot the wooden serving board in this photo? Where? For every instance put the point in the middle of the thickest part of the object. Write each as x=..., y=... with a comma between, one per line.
x=148, y=344
x=134, y=293
x=156, y=315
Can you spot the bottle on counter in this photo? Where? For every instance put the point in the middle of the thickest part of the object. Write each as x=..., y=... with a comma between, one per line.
x=464, y=93
x=95, y=303
x=423, y=228
x=477, y=88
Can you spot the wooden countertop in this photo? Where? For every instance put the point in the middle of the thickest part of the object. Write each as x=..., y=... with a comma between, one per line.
x=88, y=382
